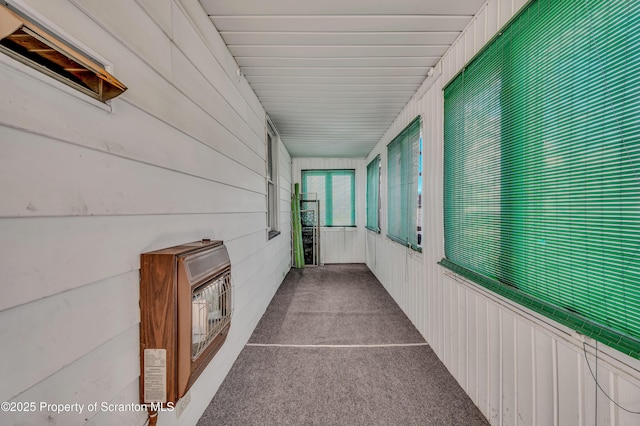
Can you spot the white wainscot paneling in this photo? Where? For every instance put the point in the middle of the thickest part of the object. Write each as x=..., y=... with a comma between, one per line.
x=340, y=245
x=400, y=271
x=95, y=377
x=527, y=370
x=46, y=335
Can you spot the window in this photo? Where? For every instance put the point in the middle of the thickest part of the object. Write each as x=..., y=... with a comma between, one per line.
x=404, y=194
x=542, y=167
x=336, y=191
x=35, y=47
x=272, y=182
x=373, y=195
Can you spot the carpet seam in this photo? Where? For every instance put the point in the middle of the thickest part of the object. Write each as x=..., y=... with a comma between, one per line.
x=388, y=345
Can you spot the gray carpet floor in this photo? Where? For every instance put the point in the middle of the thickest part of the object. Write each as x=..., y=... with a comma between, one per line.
x=320, y=356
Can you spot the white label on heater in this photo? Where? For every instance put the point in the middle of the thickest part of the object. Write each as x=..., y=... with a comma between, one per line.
x=155, y=375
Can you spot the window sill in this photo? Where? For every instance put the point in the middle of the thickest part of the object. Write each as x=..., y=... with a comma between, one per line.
x=272, y=234
x=416, y=249
x=574, y=321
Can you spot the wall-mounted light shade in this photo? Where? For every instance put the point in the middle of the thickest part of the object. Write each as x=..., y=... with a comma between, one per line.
x=28, y=43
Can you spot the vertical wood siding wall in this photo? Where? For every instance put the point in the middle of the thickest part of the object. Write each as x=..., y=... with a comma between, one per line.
x=518, y=367
x=85, y=190
x=340, y=244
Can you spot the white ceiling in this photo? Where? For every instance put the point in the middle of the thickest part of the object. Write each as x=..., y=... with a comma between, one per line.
x=334, y=74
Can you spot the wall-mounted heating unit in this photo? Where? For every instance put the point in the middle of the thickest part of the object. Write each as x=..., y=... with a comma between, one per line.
x=185, y=315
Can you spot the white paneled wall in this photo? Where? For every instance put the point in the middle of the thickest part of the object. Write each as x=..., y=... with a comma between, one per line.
x=340, y=244
x=87, y=187
x=519, y=368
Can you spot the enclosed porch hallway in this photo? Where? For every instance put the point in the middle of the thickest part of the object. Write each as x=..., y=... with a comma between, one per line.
x=334, y=348
x=476, y=171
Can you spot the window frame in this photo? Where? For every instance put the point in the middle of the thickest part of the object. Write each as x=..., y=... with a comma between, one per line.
x=325, y=220
x=549, y=165
x=376, y=165
x=409, y=189
x=271, y=178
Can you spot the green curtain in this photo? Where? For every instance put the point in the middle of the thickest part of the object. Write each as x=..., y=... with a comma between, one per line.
x=373, y=194
x=403, y=159
x=336, y=191
x=542, y=166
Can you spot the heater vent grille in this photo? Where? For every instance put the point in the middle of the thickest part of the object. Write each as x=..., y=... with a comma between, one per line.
x=211, y=313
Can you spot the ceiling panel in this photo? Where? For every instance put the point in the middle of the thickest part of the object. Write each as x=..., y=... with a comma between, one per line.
x=310, y=96
x=357, y=72
x=339, y=62
x=342, y=7
x=257, y=38
x=337, y=80
x=333, y=75
x=349, y=52
x=341, y=23
x=284, y=88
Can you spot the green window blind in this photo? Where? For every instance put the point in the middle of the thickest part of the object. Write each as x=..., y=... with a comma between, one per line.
x=542, y=166
x=403, y=169
x=373, y=195
x=336, y=191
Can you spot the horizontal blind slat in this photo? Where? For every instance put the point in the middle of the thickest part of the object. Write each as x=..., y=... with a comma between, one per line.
x=542, y=166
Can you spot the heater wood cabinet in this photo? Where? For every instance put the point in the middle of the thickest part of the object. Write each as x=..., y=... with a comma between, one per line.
x=185, y=315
